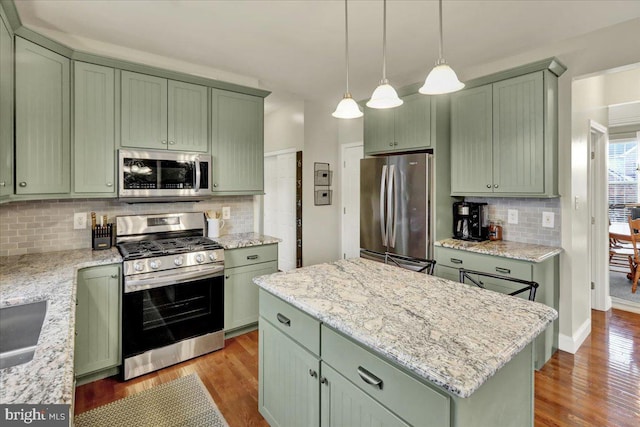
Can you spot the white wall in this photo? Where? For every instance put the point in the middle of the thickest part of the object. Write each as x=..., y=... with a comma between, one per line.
x=284, y=125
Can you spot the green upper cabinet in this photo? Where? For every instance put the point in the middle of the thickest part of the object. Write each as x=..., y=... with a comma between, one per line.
x=237, y=143
x=42, y=120
x=94, y=129
x=163, y=114
x=504, y=138
x=6, y=111
x=471, y=140
x=404, y=128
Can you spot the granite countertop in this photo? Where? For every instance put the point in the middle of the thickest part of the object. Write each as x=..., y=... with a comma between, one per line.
x=48, y=378
x=504, y=248
x=450, y=334
x=243, y=240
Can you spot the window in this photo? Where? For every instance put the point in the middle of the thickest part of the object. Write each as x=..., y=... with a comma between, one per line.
x=623, y=170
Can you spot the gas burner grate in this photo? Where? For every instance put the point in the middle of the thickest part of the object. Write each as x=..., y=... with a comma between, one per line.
x=150, y=248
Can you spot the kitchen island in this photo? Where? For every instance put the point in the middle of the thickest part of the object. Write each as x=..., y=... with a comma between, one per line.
x=454, y=354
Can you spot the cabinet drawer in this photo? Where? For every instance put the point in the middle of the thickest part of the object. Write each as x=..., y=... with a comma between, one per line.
x=486, y=263
x=293, y=322
x=250, y=255
x=410, y=399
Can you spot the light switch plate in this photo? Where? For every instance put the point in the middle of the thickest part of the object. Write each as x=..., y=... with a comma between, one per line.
x=226, y=212
x=547, y=219
x=512, y=216
x=79, y=220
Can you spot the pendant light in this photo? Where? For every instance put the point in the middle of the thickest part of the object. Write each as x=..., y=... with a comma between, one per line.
x=442, y=79
x=347, y=108
x=385, y=95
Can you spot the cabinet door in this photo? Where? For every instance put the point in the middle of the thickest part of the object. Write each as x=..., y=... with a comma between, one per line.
x=378, y=130
x=288, y=389
x=97, y=319
x=343, y=404
x=94, y=129
x=6, y=111
x=188, y=115
x=448, y=273
x=144, y=111
x=241, y=294
x=412, y=130
x=237, y=144
x=42, y=120
x=471, y=141
x=518, y=135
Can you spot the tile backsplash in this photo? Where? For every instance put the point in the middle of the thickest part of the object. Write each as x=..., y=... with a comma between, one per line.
x=529, y=227
x=47, y=225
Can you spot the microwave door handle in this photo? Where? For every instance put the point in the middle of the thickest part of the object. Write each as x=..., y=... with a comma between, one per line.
x=393, y=214
x=383, y=225
x=197, y=175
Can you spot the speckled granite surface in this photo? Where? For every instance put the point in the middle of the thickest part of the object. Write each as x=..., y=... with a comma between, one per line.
x=243, y=240
x=48, y=378
x=503, y=248
x=453, y=335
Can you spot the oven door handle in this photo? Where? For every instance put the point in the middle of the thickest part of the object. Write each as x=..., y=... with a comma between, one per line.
x=132, y=284
x=197, y=186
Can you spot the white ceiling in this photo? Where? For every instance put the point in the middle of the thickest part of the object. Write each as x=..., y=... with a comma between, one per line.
x=298, y=46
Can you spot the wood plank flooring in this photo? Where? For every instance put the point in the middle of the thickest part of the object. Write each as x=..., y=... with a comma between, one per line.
x=598, y=386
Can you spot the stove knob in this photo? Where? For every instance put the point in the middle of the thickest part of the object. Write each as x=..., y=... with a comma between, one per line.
x=200, y=258
x=154, y=264
x=178, y=261
x=213, y=256
x=138, y=266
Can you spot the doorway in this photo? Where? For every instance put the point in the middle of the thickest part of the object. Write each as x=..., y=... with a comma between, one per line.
x=350, y=199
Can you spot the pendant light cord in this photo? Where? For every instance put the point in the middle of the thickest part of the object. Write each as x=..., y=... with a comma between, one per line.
x=440, y=9
x=384, y=40
x=346, y=43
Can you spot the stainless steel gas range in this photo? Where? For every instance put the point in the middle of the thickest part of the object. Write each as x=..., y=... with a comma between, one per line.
x=173, y=302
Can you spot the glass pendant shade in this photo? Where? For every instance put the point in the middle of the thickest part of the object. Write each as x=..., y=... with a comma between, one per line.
x=442, y=79
x=347, y=108
x=385, y=96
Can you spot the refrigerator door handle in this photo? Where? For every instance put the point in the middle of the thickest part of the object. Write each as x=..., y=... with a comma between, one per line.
x=391, y=210
x=383, y=225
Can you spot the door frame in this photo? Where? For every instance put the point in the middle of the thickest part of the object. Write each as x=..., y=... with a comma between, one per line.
x=343, y=149
x=598, y=141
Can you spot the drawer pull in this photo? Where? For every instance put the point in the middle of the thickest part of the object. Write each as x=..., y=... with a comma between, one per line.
x=503, y=270
x=252, y=256
x=284, y=320
x=313, y=373
x=456, y=261
x=323, y=380
x=369, y=378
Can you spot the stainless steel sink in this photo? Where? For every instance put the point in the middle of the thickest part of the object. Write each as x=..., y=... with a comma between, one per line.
x=20, y=327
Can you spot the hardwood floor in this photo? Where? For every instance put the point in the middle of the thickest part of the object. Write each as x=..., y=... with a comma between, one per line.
x=598, y=386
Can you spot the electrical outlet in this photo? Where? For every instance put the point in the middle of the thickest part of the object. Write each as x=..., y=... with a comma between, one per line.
x=79, y=220
x=547, y=219
x=226, y=212
x=512, y=216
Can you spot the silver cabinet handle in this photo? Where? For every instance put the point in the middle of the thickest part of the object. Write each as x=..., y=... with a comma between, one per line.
x=172, y=142
x=114, y=276
x=313, y=373
x=252, y=257
x=456, y=261
x=226, y=277
x=503, y=270
x=109, y=184
x=391, y=144
x=369, y=378
x=283, y=319
x=3, y=184
x=163, y=142
x=323, y=380
x=488, y=185
x=495, y=185
x=215, y=185
x=395, y=143
x=23, y=184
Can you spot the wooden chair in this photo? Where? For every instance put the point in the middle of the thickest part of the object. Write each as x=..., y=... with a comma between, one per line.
x=634, y=231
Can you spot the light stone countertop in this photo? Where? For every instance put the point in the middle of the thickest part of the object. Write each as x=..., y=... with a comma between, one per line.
x=244, y=240
x=453, y=335
x=504, y=248
x=48, y=378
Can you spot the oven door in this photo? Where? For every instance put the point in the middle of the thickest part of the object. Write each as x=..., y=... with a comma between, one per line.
x=160, y=316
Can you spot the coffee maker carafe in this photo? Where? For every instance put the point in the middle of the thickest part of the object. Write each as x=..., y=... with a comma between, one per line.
x=470, y=221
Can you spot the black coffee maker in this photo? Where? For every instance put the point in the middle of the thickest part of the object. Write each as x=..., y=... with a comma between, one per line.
x=470, y=221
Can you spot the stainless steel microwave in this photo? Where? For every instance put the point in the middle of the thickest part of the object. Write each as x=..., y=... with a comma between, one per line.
x=163, y=175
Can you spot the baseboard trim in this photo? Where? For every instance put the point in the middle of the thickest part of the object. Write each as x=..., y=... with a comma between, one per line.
x=625, y=305
x=571, y=344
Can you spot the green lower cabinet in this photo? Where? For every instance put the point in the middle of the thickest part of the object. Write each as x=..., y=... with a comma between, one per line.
x=97, y=346
x=289, y=390
x=241, y=294
x=6, y=111
x=345, y=405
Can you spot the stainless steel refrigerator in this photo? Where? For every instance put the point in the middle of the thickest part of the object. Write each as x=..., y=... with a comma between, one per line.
x=395, y=208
